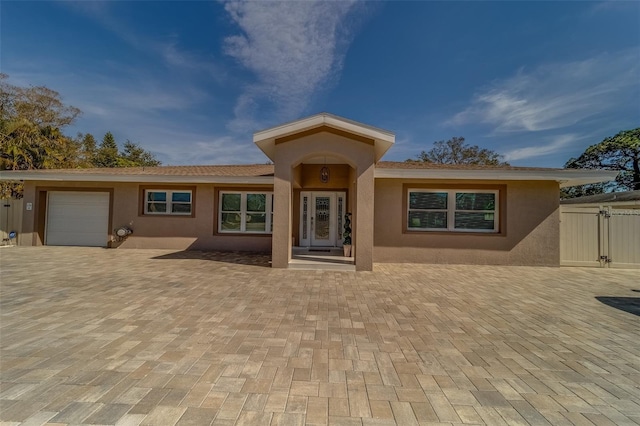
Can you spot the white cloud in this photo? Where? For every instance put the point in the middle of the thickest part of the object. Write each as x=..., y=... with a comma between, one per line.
x=556, y=95
x=558, y=143
x=116, y=101
x=179, y=147
x=612, y=5
x=293, y=48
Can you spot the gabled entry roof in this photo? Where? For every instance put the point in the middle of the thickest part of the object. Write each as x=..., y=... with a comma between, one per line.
x=267, y=139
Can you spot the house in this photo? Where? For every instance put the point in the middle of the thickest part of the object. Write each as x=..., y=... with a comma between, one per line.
x=324, y=166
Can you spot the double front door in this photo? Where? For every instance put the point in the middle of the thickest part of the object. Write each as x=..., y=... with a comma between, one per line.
x=322, y=218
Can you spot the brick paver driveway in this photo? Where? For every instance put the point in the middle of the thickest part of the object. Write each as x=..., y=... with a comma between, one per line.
x=95, y=336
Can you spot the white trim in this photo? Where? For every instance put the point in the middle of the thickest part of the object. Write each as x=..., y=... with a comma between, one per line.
x=634, y=204
x=325, y=119
x=563, y=177
x=95, y=177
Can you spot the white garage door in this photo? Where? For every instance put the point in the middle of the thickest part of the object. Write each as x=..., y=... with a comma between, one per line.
x=77, y=218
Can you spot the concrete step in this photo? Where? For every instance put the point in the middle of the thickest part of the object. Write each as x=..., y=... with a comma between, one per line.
x=320, y=266
x=321, y=258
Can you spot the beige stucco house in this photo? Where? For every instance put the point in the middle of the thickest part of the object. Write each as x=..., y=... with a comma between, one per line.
x=323, y=167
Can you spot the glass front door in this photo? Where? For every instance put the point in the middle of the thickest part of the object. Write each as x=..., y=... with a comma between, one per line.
x=320, y=218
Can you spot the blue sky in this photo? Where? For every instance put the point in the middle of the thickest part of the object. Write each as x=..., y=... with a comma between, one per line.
x=192, y=81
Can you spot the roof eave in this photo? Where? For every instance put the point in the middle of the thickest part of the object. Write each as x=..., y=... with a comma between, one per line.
x=629, y=203
x=563, y=177
x=89, y=177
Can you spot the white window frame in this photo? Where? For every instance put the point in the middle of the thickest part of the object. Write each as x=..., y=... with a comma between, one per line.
x=451, y=210
x=243, y=212
x=169, y=203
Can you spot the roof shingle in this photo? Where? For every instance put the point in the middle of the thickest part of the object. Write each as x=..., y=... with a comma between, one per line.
x=226, y=170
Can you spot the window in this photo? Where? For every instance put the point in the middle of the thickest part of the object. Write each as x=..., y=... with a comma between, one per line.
x=453, y=210
x=160, y=201
x=248, y=212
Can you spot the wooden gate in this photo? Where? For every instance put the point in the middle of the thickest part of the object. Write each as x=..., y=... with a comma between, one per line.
x=10, y=220
x=600, y=237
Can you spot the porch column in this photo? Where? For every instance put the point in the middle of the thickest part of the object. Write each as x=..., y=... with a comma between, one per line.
x=364, y=219
x=281, y=237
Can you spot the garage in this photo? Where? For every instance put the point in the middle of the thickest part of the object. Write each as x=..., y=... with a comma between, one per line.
x=77, y=218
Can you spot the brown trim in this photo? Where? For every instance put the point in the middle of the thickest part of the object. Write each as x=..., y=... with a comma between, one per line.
x=502, y=206
x=40, y=214
x=316, y=189
x=295, y=215
x=216, y=210
x=327, y=129
x=141, y=200
x=40, y=217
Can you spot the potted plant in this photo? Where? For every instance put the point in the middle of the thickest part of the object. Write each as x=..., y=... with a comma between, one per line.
x=346, y=235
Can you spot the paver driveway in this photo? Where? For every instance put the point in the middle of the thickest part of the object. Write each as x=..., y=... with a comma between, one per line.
x=95, y=336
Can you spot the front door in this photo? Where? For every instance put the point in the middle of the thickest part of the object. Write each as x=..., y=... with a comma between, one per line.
x=321, y=218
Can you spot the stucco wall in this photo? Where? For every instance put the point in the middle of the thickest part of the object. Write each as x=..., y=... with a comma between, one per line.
x=358, y=155
x=529, y=234
x=167, y=232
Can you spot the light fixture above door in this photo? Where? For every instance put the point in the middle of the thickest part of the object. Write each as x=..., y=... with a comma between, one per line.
x=324, y=174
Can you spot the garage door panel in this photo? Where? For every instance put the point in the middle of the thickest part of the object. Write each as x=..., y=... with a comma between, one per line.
x=85, y=218
x=64, y=238
x=77, y=218
x=83, y=226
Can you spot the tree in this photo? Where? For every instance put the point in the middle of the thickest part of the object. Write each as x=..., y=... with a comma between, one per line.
x=134, y=155
x=107, y=154
x=88, y=149
x=582, y=190
x=31, y=122
x=620, y=153
x=455, y=151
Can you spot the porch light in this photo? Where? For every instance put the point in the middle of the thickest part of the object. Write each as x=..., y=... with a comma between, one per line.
x=324, y=174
